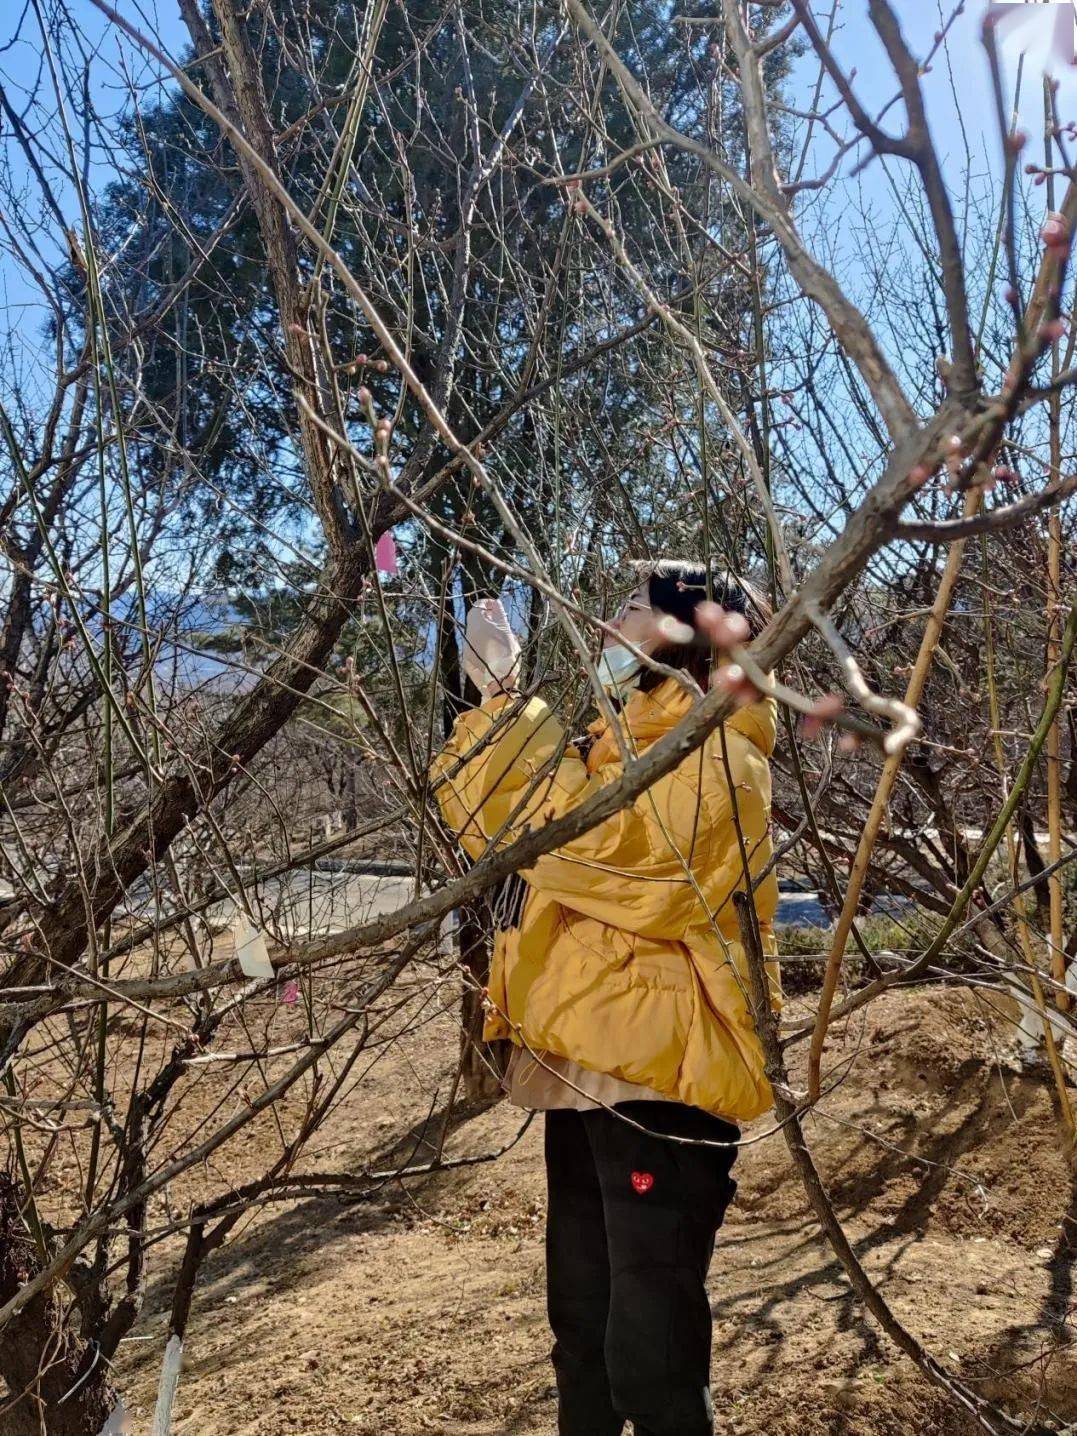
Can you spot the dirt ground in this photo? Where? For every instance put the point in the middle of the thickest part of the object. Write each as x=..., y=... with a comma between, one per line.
x=422, y=1310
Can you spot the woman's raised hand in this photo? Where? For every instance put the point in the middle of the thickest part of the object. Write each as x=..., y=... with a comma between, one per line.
x=491, y=649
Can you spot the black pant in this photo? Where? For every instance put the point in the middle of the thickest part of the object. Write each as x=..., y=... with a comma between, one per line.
x=629, y=1237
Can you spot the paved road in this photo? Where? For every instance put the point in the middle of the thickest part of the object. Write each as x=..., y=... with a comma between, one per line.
x=318, y=903
x=308, y=904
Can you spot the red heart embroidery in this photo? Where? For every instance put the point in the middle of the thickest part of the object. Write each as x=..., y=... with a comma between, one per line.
x=642, y=1181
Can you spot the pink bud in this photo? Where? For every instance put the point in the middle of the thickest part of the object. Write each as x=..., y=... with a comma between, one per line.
x=1016, y=142
x=672, y=630
x=732, y=679
x=1056, y=232
x=364, y=396
x=290, y=993
x=381, y=365
x=725, y=630
x=919, y=475
x=1052, y=330
x=823, y=711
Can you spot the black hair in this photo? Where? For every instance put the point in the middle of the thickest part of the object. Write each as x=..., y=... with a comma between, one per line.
x=677, y=587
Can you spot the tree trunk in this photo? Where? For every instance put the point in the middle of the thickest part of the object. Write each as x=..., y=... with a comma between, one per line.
x=41, y=1360
x=481, y=1063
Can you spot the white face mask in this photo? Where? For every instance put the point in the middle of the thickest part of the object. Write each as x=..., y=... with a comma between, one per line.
x=618, y=668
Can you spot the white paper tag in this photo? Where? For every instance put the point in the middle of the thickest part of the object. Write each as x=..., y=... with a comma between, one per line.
x=251, y=951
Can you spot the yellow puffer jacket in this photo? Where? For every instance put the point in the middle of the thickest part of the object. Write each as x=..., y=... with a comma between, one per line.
x=626, y=958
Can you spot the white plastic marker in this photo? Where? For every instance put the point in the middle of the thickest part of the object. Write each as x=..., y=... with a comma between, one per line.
x=1043, y=34
x=120, y=1422
x=171, y=1367
x=251, y=951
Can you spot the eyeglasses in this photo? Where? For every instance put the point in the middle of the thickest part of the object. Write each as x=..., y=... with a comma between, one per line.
x=630, y=605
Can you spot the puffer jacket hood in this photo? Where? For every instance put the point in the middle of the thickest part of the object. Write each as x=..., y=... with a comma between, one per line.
x=626, y=956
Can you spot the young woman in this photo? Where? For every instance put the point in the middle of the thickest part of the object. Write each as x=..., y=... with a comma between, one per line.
x=620, y=978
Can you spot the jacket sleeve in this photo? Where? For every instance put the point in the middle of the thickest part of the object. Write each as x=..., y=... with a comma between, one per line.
x=501, y=771
x=633, y=870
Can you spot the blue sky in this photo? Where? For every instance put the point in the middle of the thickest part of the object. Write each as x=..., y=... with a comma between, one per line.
x=960, y=78
x=958, y=98
x=21, y=64
x=957, y=90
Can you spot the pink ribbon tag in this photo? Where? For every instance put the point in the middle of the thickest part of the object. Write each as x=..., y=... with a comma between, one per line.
x=385, y=555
